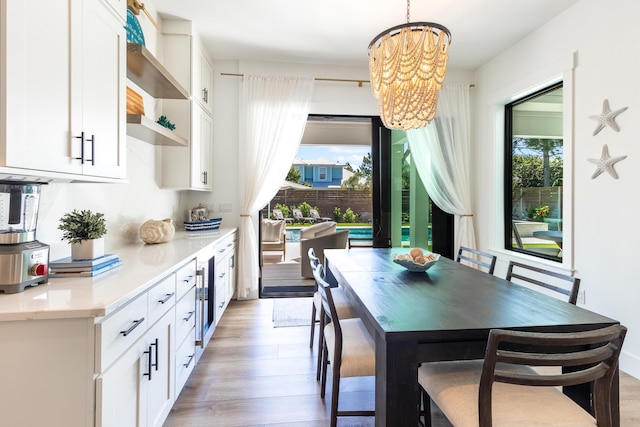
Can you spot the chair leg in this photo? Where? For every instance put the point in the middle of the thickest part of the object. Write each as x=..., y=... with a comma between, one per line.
x=313, y=324
x=323, y=321
x=335, y=392
x=325, y=363
x=426, y=405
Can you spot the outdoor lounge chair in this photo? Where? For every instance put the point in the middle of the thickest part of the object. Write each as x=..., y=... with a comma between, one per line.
x=277, y=214
x=299, y=218
x=316, y=216
x=274, y=237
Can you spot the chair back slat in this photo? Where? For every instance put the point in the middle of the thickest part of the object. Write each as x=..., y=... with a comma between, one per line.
x=530, y=274
x=479, y=258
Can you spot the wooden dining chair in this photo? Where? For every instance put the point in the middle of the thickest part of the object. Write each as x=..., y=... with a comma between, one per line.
x=478, y=258
x=506, y=389
x=553, y=281
x=343, y=308
x=348, y=347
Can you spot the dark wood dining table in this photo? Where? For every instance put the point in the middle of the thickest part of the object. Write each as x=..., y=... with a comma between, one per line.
x=445, y=313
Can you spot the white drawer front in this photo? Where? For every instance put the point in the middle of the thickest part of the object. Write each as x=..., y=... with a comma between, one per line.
x=119, y=331
x=186, y=316
x=185, y=279
x=161, y=298
x=185, y=362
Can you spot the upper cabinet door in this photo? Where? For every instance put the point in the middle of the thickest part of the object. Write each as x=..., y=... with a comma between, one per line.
x=35, y=108
x=103, y=93
x=205, y=74
x=63, y=84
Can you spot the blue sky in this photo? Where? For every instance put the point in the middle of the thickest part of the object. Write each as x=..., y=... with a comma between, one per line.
x=335, y=153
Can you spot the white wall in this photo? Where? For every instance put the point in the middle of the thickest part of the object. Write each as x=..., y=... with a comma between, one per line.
x=600, y=39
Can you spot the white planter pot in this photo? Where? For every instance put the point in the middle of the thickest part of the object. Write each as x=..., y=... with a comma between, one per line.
x=87, y=249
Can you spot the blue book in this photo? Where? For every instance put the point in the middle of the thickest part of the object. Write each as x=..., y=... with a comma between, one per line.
x=89, y=273
x=68, y=262
x=57, y=269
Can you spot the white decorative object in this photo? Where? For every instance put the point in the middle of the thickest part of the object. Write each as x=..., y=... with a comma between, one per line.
x=157, y=231
x=605, y=163
x=607, y=117
x=87, y=249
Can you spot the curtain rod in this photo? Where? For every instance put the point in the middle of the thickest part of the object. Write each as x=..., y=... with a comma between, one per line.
x=316, y=78
x=322, y=79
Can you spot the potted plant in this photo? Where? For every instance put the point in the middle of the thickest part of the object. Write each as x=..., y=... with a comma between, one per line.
x=84, y=230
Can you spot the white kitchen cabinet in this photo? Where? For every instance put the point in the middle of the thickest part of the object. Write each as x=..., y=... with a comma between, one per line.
x=187, y=61
x=188, y=168
x=224, y=279
x=63, y=90
x=137, y=389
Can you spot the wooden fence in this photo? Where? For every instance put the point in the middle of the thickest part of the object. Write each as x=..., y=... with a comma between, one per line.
x=326, y=199
x=523, y=198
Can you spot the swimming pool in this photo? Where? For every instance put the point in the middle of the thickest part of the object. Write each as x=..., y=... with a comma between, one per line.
x=293, y=234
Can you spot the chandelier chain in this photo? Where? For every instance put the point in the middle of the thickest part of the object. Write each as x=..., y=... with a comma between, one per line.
x=408, y=7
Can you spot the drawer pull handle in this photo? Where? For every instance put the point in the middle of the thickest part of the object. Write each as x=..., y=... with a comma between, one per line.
x=189, y=316
x=221, y=304
x=148, y=373
x=166, y=298
x=191, y=357
x=136, y=323
x=155, y=344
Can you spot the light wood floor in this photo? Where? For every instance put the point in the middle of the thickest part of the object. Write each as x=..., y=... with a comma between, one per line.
x=253, y=374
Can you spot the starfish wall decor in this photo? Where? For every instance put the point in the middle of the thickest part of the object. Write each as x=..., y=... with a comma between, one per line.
x=605, y=163
x=607, y=117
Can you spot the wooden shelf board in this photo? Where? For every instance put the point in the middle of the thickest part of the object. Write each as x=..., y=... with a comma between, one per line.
x=147, y=130
x=147, y=72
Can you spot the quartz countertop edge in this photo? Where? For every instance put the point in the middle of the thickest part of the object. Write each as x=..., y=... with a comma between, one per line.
x=142, y=267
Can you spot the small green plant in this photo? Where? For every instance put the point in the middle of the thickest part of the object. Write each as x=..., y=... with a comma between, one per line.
x=163, y=121
x=349, y=216
x=539, y=213
x=305, y=208
x=82, y=225
x=337, y=214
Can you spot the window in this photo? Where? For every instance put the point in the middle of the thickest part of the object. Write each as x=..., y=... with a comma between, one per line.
x=534, y=150
x=322, y=173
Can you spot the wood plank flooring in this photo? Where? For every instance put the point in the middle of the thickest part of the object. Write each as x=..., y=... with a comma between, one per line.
x=253, y=374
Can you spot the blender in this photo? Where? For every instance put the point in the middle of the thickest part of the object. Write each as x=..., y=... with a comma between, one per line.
x=23, y=260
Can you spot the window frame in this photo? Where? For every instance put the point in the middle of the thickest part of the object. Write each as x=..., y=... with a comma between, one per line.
x=508, y=168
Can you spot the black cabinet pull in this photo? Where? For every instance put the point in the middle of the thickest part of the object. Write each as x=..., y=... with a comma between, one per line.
x=148, y=373
x=189, y=316
x=81, y=138
x=191, y=357
x=136, y=323
x=155, y=365
x=166, y=298
x=93, y=150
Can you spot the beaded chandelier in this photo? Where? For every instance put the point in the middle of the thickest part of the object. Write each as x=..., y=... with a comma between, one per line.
x=408, y=64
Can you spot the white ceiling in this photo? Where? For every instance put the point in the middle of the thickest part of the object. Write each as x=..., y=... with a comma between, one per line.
x=339, y=31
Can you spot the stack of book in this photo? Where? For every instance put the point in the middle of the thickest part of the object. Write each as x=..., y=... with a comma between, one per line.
x=66, y=267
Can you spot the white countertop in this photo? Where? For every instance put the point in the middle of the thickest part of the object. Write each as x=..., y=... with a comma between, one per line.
x=143, y=266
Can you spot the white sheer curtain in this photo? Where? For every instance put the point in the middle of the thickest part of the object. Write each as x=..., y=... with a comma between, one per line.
x=275, y=111
x=441, y=152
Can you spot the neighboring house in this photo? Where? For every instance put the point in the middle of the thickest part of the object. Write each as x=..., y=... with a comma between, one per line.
x=320, y=173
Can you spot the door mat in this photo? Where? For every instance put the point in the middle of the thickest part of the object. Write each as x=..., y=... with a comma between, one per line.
x=292, y=312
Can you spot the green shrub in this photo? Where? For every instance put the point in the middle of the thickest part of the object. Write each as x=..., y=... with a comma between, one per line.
x=305, y=208
x=337, y=214
x=349, y=216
